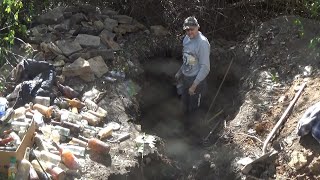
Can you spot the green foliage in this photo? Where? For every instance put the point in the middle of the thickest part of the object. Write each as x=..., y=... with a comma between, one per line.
x=298, y=23
x=12, y=22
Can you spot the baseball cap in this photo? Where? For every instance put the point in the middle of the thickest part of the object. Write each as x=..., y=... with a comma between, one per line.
x=190, y=22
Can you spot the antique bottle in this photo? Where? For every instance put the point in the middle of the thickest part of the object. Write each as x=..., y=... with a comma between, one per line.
x=74, y=103
x=6, y=140
x=43, y=175
x=56, y=172
x=47, y=156
x=105, y=132
x=98, y=146
x=92, y=119
x=67, y=91
x=44, y=110
x=67, y=157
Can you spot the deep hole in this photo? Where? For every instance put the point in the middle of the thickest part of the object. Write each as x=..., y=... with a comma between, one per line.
x=161, y=114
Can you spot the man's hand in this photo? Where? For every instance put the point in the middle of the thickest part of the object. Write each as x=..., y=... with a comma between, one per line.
x=177, y=76
x=192, y=89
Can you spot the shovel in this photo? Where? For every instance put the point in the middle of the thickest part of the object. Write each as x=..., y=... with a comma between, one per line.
x=246, y=169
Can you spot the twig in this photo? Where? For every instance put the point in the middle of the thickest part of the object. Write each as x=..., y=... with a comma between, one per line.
x=254, y=137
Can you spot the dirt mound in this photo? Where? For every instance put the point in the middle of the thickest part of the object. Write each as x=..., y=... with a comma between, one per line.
x=283, y=54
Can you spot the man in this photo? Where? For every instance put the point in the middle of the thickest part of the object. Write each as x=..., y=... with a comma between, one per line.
x=195, y=67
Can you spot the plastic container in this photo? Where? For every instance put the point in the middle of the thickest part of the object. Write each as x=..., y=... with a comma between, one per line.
x=3, y=106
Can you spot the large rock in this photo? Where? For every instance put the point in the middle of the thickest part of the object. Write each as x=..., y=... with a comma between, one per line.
x=98, y=25
x=77, y=18
x=106, y=54
x=98, y=66
x=54, y=16
x=107, y=34
x=50, y=47
x=68, y=47
x=77, y=68
x=110, y=24
x=89, y=77
x=125, y=28
x=107, y=38
x=86, y=40
x=159, y=30
x=108, y=12
x=123, y=19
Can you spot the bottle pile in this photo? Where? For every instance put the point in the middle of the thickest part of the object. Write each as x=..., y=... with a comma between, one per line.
x=66, y=129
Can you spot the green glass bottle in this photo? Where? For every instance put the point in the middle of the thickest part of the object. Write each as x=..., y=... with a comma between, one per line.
x=12, y=171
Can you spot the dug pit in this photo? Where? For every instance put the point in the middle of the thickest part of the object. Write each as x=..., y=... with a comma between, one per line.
x=161, y=115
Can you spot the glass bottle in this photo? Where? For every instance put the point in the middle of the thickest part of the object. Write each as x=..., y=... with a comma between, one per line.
x=98, y=146
x=68, y=157
x=105, y=132
x=12, y=171
x=67, y=91
x=46, y=156
x=24, y=167
x=44, y=110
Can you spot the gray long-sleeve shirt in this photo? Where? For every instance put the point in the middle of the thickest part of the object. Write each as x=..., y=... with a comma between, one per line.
x=196, y=61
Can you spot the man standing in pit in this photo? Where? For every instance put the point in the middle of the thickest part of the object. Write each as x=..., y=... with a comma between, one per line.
x=195, y=67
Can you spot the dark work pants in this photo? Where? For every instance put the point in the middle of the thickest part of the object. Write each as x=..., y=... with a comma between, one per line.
x=192, y=102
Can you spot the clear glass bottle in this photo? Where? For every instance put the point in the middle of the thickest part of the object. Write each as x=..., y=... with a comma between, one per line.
x=46, y=156
x=76, y=150
x=24, y=167
x=62, y=131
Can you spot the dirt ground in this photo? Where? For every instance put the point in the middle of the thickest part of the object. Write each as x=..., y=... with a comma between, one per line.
x=267, y=68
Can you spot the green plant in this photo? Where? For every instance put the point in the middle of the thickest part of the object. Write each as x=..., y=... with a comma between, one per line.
x=12, y=23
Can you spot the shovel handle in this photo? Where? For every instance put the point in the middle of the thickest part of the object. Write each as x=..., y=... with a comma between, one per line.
x=283, y=117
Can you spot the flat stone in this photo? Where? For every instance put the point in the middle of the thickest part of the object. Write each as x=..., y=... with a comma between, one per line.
x=125, y=28
x=106, y=54
x=110, y=24
x=123, y=19
x=54, y=16
x=107, y=38
x=98, y=66
x=77, y=55
x=54, y=48
x=68, y=47
x=86, y=40
x=77, y=18
x=77, y=68
x=107, y=34
x=108, y=12
x=88, y=77
x=58, y=63
x=159, y=30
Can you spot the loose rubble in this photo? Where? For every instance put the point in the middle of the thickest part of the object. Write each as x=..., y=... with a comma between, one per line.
x=71, y=129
